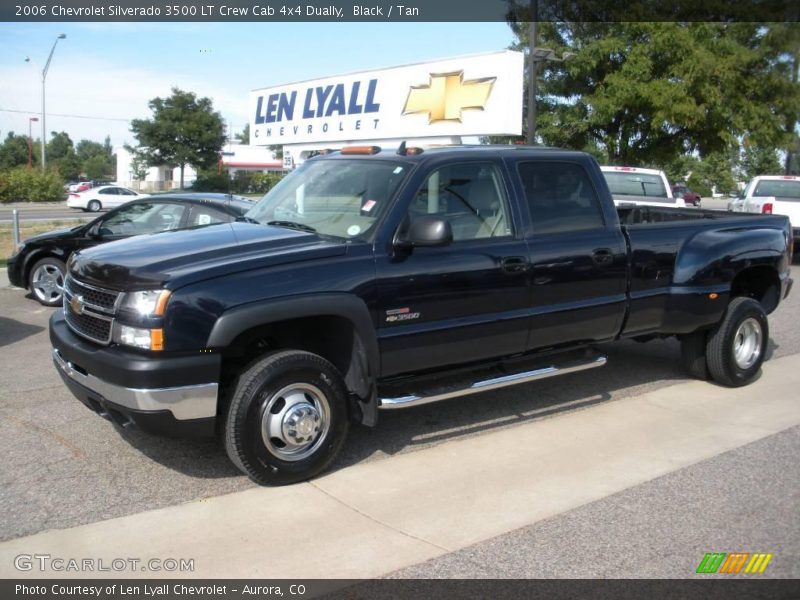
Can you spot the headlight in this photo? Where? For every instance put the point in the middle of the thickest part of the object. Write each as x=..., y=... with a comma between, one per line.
x=150, y=303
x=146, y=305
x=147, y=339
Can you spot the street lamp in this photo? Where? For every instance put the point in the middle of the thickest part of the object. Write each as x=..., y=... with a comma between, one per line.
x=61, y=36
x=30, y=141
x=535, y=56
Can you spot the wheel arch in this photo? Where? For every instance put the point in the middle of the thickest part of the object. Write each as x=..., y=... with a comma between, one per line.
x=337, y=327
x=760, y=282
x=39, y=254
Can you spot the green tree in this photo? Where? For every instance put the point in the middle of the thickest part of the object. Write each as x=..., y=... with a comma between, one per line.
x=184, y=130
x=95, y=159
x=649, y=92
x=61, y=155
x=243, y=137
x=14, y=151
x=757, y=160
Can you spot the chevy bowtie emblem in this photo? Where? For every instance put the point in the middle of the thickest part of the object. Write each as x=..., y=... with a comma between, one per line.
x=447, y=94
x=76, y=304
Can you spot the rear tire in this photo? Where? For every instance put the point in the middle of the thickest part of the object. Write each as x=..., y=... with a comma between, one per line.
x=693, y=354
x=287, y=419
x=736, y=348
x=94, y=206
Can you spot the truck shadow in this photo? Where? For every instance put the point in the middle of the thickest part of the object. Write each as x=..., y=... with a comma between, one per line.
x=632, y=369
x=12, y=331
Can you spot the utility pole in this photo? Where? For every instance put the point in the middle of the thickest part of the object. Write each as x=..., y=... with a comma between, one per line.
x=532, y=71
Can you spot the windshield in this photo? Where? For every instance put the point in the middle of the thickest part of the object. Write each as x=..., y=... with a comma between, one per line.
x=341, y=198
x=635, y=184
x=782, y=189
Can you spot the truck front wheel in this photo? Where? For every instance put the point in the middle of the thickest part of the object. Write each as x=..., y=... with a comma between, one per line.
x=735, y=349
x=287, y=418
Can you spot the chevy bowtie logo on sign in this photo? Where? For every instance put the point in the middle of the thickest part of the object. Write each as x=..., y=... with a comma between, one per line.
x=447, y=95
x=474, y=95
x=734, y=563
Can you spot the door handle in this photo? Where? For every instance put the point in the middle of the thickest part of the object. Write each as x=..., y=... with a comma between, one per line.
x=514, y=264
x=603, y=257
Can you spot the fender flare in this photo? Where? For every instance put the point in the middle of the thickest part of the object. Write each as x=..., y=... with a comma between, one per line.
x=240, y=319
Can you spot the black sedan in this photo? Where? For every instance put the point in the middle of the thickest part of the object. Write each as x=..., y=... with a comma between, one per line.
x=38, y=264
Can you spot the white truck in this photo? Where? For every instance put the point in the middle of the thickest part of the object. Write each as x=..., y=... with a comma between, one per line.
x=772, y=195
x=641, y=187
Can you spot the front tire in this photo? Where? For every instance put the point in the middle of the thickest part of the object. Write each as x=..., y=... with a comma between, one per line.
x=287, y=418
x=46, y=281
x=736, y=348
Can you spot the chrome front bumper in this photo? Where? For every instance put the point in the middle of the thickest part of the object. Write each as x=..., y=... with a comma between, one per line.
x=185, y=403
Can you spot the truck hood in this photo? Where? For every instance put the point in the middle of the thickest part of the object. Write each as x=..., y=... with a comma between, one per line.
x=181, y=257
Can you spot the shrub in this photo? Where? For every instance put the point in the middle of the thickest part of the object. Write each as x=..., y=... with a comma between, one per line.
x=30, y=185
x=242, y=182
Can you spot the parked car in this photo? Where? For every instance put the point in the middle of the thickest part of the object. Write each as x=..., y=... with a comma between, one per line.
x=640, y=187
x=773, y=195
x=103, y=197
x=38, y=263
x=375, y=279
x=680, y=190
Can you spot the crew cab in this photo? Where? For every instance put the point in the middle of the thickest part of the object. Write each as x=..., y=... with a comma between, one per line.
x=772, y=195
x=375, y=279
x=640, y=187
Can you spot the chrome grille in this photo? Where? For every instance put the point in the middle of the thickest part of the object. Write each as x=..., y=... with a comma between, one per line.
x=94, y=317
x=104, y=300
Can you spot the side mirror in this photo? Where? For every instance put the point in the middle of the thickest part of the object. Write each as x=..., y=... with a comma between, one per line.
x=427, y=231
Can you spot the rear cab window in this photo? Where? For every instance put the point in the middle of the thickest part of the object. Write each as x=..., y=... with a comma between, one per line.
x=632, y=183
x=782, y=189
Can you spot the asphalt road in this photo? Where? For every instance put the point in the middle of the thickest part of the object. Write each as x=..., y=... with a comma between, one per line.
x=50, y=211
x=744, y=500
x=63, y=466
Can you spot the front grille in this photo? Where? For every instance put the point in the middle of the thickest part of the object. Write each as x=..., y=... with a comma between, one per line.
x=89, y=326
x=103, y=299
x=94, y=317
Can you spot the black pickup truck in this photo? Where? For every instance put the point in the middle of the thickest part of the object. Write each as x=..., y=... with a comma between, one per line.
x=372, y=279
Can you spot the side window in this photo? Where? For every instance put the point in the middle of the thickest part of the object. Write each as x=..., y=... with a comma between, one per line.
x=560, y=196
x=109, y=191
x=470, y=196
x=147, y=217
x=205, y=215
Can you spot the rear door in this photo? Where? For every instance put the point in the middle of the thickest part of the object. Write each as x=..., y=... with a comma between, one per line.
x=461, y=303
x=577, y=254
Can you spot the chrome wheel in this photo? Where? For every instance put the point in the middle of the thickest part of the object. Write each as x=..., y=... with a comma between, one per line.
x=47, y=283
x=295, y=421
x=747, y=343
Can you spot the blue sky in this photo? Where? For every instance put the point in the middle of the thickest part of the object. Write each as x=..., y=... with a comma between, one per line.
x=112, y=69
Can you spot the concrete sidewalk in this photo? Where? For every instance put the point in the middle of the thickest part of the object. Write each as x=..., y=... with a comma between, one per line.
x=373, y=518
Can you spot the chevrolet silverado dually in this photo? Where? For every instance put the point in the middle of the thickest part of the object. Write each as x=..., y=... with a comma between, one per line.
x=375, y=279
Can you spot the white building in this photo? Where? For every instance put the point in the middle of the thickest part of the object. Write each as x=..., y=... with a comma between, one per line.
x=234, y=157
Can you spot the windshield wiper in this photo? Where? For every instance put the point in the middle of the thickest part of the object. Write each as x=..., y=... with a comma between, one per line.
x=292, y=225
x=245, y=219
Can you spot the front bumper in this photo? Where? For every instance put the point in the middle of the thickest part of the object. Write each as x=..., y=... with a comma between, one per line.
x=173, y=396
x=14, y=265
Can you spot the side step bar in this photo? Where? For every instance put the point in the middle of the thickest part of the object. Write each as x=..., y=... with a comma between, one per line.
x=495, y=383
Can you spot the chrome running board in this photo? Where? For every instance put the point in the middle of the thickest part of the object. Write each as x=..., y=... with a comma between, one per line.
x=495, y=383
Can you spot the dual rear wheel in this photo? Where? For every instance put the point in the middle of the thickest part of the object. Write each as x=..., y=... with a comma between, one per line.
x=733, y=352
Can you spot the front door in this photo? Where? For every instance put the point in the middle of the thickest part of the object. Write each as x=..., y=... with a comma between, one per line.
x=464, y=302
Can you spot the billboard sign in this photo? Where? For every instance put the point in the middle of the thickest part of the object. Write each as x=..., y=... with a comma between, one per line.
x=472, y=95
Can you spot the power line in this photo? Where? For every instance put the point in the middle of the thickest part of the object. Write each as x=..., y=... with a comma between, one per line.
x=33, y=112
